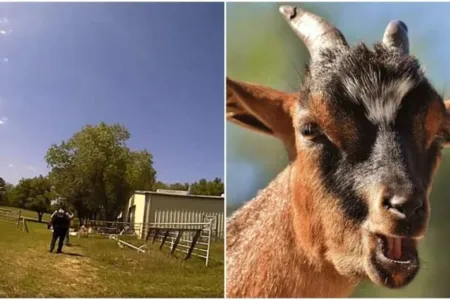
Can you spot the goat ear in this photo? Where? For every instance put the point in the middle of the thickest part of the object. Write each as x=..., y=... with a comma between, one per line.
x=262, y=109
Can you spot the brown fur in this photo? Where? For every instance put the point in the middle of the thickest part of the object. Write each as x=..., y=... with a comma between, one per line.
x=283, y=243
x=338, y=127
x=272, y=261
x=433, y=121
x=262, y=110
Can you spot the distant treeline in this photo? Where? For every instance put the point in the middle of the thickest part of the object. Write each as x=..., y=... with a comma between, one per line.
x=94, y=173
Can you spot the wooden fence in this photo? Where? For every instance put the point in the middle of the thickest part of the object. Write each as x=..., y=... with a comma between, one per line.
x=14, y=217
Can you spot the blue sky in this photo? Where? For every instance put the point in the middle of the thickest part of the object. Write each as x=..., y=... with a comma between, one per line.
x=155, y=68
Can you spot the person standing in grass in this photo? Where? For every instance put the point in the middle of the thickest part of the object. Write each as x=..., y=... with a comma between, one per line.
x=60, y=221
x=68, y=229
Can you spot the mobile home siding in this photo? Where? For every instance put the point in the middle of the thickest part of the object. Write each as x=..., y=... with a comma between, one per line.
x=184, y=209
x=153, y=207
x=137, y=201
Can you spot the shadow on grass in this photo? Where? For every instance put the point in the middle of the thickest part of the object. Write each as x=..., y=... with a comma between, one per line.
x=74, y=246
x=73, y=254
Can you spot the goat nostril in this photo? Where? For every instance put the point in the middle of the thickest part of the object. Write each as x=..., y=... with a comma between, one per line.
x=402, y=206
x=386, y=201
x=391, y=202
x=396, y=205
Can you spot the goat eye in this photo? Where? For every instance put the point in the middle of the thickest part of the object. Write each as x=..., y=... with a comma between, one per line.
x=310, y=131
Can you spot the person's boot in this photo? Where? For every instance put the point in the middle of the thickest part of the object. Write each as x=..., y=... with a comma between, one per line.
x=60, y=246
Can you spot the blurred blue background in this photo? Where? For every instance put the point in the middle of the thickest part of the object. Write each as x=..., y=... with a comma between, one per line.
x=261, y=48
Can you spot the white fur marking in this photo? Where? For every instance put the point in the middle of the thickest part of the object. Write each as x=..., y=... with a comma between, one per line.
x=381, y=101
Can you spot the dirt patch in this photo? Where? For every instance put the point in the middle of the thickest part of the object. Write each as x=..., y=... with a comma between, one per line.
x=74, y=266
x=78, y=269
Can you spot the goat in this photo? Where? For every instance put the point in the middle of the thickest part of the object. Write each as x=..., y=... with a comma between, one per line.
x=84, y=231
x=364, y=138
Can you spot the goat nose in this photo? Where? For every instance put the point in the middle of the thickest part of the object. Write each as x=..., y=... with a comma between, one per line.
x=404, y=206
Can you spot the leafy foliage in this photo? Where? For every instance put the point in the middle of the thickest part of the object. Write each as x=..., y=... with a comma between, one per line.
x=33, y=194
x=2, y=190
x=205, y=187
x=171, y=186
x=7, y=195
x=201, y=187
x=96, y=172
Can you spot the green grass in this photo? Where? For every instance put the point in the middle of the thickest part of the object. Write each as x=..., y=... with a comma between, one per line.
x=97, y=267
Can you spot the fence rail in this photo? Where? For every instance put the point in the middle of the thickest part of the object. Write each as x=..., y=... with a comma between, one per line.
x=122, y=242
x=179, y=216
x=192, y=239
x=183, y=237
x=9, y=216
x=14, y=217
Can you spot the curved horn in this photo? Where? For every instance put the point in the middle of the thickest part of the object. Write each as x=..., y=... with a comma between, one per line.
x=313, y=30
x=396, y=36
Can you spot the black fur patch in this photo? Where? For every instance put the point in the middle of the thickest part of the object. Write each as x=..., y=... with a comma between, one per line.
x=335, y=169
x=329, y=77
x=360, y=76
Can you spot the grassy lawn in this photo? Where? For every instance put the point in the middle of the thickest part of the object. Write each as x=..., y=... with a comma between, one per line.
x=97, y=267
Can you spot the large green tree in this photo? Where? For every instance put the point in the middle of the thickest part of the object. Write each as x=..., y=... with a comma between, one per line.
x=201, y=187
x=2, y=191
x=33, y=194
x=210, y=188
x=96, y=172
x=8, y=195
x=171, y=186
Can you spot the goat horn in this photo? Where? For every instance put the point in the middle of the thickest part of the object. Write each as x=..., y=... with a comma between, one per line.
x=396, y=36
x=313, y=30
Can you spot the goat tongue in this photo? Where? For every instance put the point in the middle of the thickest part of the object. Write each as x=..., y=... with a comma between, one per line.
x=394, y=248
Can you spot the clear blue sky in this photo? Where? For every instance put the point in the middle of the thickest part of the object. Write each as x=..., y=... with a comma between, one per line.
x=155, y=68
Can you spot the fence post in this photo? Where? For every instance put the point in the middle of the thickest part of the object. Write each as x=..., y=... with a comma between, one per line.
x=216, y=227
x=18, y=218
x=25, y=225
x=209, y=242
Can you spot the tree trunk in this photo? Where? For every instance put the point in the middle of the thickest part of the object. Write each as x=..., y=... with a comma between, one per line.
x=40, y=214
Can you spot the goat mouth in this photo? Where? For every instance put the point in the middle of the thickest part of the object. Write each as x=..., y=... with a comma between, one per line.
x=397, y=250
x=394, y=262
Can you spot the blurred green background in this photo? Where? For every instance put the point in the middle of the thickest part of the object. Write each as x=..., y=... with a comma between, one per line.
x=262, y=48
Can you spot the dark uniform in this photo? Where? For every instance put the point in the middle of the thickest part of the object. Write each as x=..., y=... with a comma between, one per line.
x=60, y=220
